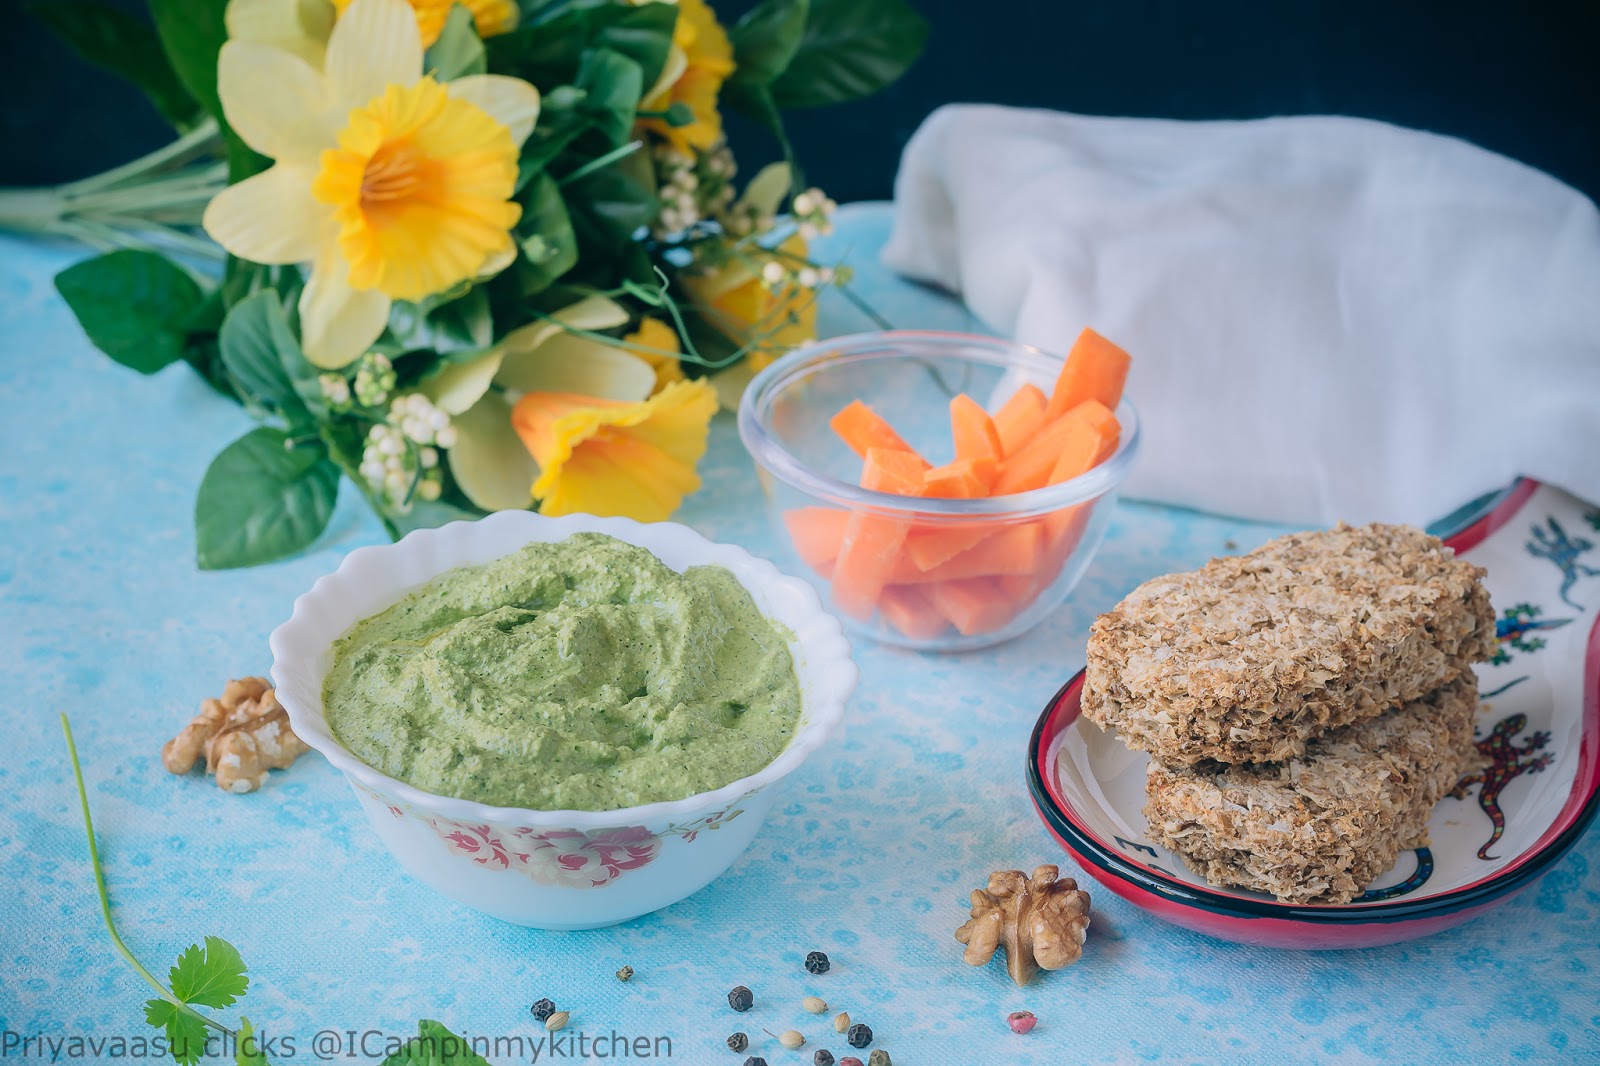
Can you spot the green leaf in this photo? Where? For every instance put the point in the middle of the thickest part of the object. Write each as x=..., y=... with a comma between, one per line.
x=247, y=1048
x=850, y=49
x=434, y=1045
x=562, y=120
x=613, y=84
x=260, y=501
x=608, y=206
x=134, y=305
x=261, y=353
x=459, y=50
x=192, y=32
x=446, y=326
x=766, y=38
x=549, y=246
x=642, y=32
x=212, y=976
x=186, y=1034
x=114, y=40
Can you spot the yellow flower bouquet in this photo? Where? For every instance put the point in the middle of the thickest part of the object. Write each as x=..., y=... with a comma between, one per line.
x=471, y=255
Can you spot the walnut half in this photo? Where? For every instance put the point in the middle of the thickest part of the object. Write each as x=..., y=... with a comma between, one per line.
x=242, y=735
x=1039, y=920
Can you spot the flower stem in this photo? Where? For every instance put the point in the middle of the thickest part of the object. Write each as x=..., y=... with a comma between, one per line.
x=105, y=899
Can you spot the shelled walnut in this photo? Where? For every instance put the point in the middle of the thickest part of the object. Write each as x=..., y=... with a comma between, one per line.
x=1039, y=920
x=242, y=735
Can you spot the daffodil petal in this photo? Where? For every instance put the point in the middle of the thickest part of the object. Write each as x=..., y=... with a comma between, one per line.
x=592, y=312
x=497, y=262
x=731, y=383
x=299, y=27
x=270, y=217
x=510, y=101
x=488, y=460
x=276, y=102
x=566, y=363
x=374, y=44
x=458, y=386
x=338, y=323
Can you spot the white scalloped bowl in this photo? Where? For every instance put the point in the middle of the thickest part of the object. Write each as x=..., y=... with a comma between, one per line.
x=557, y=869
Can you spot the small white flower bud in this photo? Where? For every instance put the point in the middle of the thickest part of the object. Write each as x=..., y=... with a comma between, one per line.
x=773, y=273
x=428, y=457
x=429, y=490
x=803, y=204
x=808, y=278
x=446, y=437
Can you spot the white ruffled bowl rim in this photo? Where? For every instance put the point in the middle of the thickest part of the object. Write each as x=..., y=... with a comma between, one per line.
x=826, y=671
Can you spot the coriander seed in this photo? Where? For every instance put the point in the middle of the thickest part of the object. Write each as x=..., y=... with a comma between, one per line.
x=789, y=1038
x=813, y=1005
x=556, y=1021
x=842, y=1022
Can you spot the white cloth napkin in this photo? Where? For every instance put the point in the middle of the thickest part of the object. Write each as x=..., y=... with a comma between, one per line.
x=1329, y=317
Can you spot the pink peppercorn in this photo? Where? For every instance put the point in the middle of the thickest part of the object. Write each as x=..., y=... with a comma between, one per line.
x=849, y=1060
x=1021, y=1021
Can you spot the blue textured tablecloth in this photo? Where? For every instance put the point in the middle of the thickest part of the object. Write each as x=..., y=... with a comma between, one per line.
x=869, y=853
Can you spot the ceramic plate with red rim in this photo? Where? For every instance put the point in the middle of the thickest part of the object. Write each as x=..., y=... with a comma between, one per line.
x=1538, y=726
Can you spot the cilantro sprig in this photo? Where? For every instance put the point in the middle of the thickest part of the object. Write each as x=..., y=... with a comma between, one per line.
x=213, y=974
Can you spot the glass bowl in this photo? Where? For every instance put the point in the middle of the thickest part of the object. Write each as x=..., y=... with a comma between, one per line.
x=970, y=572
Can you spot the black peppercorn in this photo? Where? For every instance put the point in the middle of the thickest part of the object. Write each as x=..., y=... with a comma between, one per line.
x=823, y=1057
x=860, y=1035
x=755, y=1060
x=542, y=1010
x=741, y=999
x=738, y=1042
x=817, y=962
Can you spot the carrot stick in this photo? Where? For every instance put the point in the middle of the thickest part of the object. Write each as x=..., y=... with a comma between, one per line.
x=973, y=606
x=1095, y=369
x=1014, y=549
x=817, y=533
x=963, y=479
x=973, y=430
x=1074, y=439
x=1020, y=417
x=863, y=428
x=909, y=610
x=871, y=543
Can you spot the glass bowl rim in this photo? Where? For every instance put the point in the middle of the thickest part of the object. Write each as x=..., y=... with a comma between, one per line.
x=770, y=454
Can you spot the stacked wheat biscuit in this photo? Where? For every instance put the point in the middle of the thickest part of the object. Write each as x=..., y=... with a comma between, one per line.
x=1305, y=706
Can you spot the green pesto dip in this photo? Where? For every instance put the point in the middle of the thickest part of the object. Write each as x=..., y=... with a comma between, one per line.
x=583, y=675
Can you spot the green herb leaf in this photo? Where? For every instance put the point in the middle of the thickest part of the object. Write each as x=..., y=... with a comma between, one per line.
x=186, y=1034
x=116, y=41
x=642, y=32
x=459, y=50
x=766, y=38
x=212, y=976
x=850, y=49
x=134, y=306
x=549, y=246
x=247, y=1047
x=446, y=326
x=613, y=84
x=260, y=501
x=260, y=351
x=434, y=1045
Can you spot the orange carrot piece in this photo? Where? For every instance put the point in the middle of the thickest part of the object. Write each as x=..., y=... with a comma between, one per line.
x=1013, y=550
x=909, y=610
x=931, y=545
x=817, y=533
x=963, y=479
x=863, y=428
x=974, y=605
x=973, y=430
x=1095, y=369
x=1020, y=417
x=895, y=470
x=871, y=543
x=1075, y=438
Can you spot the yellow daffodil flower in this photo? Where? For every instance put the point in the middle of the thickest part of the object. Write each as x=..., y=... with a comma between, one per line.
x=700, y=61
x=661, y=340
x=736, y=301
x=393, y=186
x=302, y=26
x=490, y=461
x=612, y=458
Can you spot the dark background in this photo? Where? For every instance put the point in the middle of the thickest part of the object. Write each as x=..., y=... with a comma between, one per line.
x=1521, y=77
